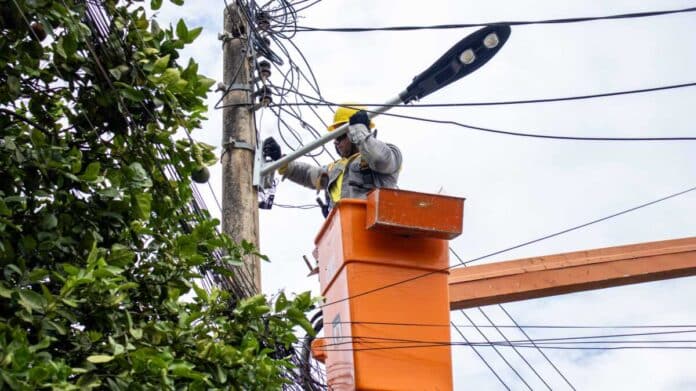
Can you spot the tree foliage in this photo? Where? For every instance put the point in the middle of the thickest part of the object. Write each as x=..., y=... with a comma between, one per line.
x=98, y=246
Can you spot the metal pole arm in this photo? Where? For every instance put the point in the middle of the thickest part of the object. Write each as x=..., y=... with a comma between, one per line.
x=465, y=57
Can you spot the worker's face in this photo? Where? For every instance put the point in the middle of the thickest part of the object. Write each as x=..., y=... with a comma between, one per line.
x=344, y=147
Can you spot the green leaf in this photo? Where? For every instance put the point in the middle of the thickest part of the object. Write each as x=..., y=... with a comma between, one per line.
x=204, y=85
x=136, y=333
x=121, y=255
x=179, y=86
x=31, y=300
x=4, y=210
x=137, y=176
x=182, y=30
x=60, y=329
x=155, y=4
x=92, y=254
x=142, y=202
x=129, y=92
x=59, y=48
x=298, y=317
x=4, y=292
x=200, y=292
x=161, y=64
x=231, y=260
x=178, y=2
x=99, y=358
x=116, y=73
x=169, y=76
x=38, y=138
x=70, y=269
x=37, y=275
x=91, y=173
x=69, y=45
x=110, y=192
x=142, y=22
x=13, y=84
x=281, y=303
x=193, y=34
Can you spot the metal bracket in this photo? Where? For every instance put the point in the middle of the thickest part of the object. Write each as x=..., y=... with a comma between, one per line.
x=226, y=36
x=239, y=144
x=233, y=86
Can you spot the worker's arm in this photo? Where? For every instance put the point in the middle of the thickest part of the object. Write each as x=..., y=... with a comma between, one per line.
x=302, y=173
x=381, y=157
x=298, y=172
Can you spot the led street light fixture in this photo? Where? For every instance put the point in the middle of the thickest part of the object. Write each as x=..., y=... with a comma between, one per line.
x=466, y=56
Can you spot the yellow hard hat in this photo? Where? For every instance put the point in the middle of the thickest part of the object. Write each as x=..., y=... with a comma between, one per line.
x=343, y=114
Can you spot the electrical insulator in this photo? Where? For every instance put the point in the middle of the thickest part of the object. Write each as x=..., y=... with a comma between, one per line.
x=265, y=69
x=265, y=95
x=263, y=22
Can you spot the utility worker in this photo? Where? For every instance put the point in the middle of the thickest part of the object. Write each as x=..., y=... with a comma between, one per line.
x=366, y=163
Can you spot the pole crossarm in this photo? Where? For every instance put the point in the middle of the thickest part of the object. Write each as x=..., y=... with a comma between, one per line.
x=557, y=274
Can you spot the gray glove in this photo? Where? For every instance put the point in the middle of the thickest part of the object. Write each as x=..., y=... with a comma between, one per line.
x=358, y=128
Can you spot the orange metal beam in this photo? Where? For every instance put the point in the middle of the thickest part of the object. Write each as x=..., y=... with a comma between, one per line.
x=550, y=275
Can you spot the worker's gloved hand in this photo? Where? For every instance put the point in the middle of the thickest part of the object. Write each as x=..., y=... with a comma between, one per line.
x=358, y=127
x=271, y=149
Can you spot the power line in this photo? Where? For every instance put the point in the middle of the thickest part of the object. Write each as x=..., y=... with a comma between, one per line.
x=516, y=326
x=497, y=351
x=558, y=371
x=537, y=135
x=527, y=134
x=321, y=102
x=513, y=348
x=507, y=23
x=568, y=339
x=308, y=206
x=435, y=345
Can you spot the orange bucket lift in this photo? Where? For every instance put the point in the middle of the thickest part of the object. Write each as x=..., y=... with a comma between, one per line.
x=383, y=267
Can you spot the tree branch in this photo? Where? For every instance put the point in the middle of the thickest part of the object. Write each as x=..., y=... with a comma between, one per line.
x=24, y=119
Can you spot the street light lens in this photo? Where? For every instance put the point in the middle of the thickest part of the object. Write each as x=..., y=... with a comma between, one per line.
x=467, y=57
x=491, y=40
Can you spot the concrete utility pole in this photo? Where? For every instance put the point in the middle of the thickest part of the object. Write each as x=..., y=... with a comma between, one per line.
x=240, y=214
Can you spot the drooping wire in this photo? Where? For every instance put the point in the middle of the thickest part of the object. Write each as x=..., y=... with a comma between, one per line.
x=527, y=134
x=318, y=101
x=517, y=326
x=554, y=341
